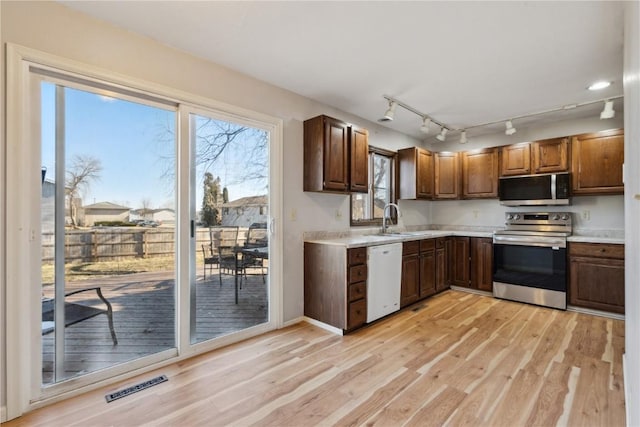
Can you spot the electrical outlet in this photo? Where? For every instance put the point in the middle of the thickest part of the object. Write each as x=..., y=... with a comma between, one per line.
x=294, y=214
x=338, y=213
x=586, y=215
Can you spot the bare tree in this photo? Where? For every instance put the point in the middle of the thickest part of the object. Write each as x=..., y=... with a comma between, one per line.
x=146, y=206
x=82, y=172
x=222, y=146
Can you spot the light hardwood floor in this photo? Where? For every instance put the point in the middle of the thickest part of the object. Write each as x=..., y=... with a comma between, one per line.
x=455, y=359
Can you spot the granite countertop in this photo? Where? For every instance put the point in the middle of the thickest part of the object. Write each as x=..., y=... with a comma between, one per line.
x=394, y=237
x=349, y=240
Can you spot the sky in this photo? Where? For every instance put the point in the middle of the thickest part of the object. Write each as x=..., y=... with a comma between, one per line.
x=136, y=149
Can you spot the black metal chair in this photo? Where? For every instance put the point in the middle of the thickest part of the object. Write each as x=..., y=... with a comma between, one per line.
x=75, y=313
x=225, y=241
x=257, y=237
x=219, y=237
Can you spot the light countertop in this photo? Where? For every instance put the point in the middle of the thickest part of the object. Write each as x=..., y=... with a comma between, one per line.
x=356, y=241
x=405, y=236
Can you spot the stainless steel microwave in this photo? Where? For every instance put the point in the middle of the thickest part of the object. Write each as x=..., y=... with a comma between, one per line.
x=535, y=190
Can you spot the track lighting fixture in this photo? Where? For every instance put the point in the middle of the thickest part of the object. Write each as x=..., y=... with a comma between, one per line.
x=425, y=124
x=443, y=134
x=510, y=130
x=463, y=137
x=608, y=112
x=391, y=111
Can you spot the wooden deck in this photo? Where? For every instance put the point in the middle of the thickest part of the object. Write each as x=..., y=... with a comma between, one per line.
x=455, y=359
x=144, y=318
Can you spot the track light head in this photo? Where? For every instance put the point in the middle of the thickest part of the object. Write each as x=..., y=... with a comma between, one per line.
x=463, y=137
x=443, y=134
x=510, y=130
x=425, y=125
x=391, y=111
x=608, y=112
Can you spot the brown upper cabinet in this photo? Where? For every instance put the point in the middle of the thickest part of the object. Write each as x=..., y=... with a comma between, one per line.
x=525, y=158
x=446, y=175
x=596, y=162
x=480, y=173
x=335, y=156
x=550, y=155
x=416, y=173
x=515, y=159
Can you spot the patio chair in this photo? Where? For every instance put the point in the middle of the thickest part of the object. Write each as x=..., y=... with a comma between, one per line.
x=75, y=312
x=221, y=236
x=224, y=240
x=257, y=237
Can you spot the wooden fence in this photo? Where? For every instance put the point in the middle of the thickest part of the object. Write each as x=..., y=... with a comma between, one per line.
x=119, y=243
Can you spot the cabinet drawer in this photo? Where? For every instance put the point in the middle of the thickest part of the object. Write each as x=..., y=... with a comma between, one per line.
x=357, y=273
x=410, y=248
x=427, y=245
x=600, y=250
x=357, y=291
x=357, y=256
x=357, y=314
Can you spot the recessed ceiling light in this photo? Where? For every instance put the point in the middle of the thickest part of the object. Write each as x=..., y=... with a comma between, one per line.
x=599, y=85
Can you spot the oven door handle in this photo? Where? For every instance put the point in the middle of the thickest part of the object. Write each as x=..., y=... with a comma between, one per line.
x=544, y=242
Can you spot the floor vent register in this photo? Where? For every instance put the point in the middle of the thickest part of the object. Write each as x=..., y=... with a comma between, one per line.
x=135, y=388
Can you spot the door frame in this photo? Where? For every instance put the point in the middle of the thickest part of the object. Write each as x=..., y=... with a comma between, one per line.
x=22, y=224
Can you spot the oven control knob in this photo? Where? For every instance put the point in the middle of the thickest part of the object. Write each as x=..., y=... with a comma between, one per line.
x=516, y=217
x=565, y=217
x=509, y=216
x=556, y=217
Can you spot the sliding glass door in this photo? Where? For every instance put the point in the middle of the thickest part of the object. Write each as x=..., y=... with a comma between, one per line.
x=142, y=223
x=230, y=188
x=108, y=229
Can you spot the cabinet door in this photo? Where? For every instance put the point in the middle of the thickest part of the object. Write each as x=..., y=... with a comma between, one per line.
x=427, y=273
x=482, y=264
x=441, y=269
x=480, y=174
x=446, y=176
x=515, y=159
x=550, y=155
x=336, y=155
x=460, y=268
x=424, y=178
x=597, y=283
x=596, y=162
x=359, y=176
x=410, y=285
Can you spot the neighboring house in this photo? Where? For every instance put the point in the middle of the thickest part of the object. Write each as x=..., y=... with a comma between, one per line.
x=245, y=211
x=105, y=211
x=164, y=216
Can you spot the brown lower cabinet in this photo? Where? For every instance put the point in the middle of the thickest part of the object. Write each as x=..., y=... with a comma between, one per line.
x=335, y=285
x=472, y=263
x=481, y=276
x=596, y=276
x=425, y=269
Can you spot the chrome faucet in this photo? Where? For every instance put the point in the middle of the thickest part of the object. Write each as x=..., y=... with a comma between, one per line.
x=384, y=215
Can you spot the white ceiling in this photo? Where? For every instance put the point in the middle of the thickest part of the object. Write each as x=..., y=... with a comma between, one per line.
x=463, y=63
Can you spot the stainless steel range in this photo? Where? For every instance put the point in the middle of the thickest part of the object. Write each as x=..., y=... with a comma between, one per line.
x=530, y=258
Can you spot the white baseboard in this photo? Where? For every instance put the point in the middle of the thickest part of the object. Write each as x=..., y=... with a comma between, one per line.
x=324, y=326
x=3, y=414
x=293, y=321
x=595, y=312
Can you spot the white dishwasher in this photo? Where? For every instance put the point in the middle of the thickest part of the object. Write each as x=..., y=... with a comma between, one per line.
x=384, y=272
